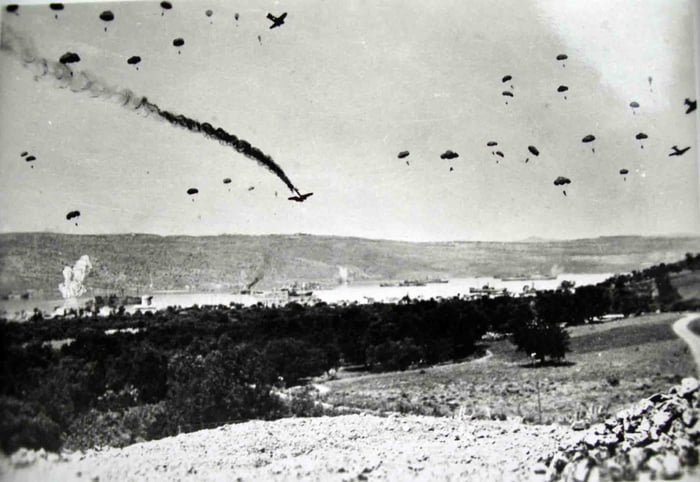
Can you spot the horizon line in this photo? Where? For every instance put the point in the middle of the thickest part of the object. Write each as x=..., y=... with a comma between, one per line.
x=529, y=239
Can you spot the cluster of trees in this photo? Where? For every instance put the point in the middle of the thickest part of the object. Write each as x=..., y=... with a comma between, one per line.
x=182, y=369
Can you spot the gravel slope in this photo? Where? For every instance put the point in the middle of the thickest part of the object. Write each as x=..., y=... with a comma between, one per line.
x=350, y=447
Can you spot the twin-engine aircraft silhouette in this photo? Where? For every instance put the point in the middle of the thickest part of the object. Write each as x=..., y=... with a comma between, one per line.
x=300, y=198
x=678, y=152
x=276, y=21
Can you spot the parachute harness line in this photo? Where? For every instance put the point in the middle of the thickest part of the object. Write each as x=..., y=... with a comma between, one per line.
x=82, y=81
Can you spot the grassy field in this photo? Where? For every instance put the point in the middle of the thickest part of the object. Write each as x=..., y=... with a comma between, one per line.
x=610, y=366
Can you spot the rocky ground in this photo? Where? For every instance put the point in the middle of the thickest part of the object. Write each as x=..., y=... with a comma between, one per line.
x=656, y=439
x=350, y=447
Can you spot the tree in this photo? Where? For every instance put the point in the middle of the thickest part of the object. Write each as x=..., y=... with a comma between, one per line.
x=542, y=339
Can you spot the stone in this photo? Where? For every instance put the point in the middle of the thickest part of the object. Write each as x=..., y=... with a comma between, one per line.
x=615, y=471
x=671, y=467
x=636, y=456
x=581, y=469
x=656, y=465
x=558, y=463
x=644, y=425
x=641, y=408
x=658, y=397
x=593, y=474
x=690, y=416
x=688, y=386
x=591, y=440
x=661, y=420
x=578, y=425
x=539, y=468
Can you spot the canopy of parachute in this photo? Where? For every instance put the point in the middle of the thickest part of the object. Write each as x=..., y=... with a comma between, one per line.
x=69, y=58
x=449, y=155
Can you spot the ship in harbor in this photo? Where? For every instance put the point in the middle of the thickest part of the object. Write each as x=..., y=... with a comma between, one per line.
x=527, y=277
x=407, y=282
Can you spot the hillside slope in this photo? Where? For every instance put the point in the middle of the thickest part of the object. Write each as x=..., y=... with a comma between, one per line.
x=219, y=263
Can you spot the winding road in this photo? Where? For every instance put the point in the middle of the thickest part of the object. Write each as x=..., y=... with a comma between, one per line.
x=682, y=329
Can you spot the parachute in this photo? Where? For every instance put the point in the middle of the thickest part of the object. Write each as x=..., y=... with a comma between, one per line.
x=403, y=154
x=562, y=181
x=178, y=42
x=448, y=155
x=192, y=190
x=589, y=138
x=492, y=143
x=72, y=214
x=56, y=7
x=533, y=150
x=640, y=137
x=506, y=78
x=227, y=180
x=133, y=60
x=69, y=58
x=107, y=16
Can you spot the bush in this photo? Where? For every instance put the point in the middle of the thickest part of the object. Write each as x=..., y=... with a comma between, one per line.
x=218, y=388
x=23, y=424
x=394, y=355
x=118, y=428
x=542, y=339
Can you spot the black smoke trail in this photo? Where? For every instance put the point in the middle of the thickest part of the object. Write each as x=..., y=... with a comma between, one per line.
x=82, y=81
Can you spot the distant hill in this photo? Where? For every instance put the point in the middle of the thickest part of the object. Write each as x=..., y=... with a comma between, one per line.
x=222, y=263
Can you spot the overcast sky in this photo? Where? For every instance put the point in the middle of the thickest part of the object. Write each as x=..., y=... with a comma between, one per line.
x=334, y=95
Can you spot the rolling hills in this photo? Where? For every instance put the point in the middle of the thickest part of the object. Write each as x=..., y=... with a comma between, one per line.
x=34, y=261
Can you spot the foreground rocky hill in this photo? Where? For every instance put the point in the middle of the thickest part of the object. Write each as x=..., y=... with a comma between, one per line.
x=656, y=439
x=140, y=261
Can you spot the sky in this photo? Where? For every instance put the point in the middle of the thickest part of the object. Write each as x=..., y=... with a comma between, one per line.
x=334, y=95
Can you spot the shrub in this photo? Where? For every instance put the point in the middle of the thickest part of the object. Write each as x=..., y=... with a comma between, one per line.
x=23, y=424
x=394, y=355
x=542, y=339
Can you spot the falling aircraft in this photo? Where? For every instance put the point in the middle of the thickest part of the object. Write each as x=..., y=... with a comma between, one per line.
x=276, y=21
x=300, y=198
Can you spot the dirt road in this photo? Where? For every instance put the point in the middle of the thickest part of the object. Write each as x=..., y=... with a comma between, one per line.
x=683, y=331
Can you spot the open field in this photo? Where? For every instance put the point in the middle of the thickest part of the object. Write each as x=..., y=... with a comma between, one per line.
x=687, y=283
x=610, y=366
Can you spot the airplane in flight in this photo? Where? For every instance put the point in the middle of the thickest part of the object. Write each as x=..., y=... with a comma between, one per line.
x=678, y=152
x=300, y=198
x=276, y=21
x=692, y=105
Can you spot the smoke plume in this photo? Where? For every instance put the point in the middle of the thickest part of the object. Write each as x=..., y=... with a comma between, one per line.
x=343, y=275
x=73, y=278
x=83, y=81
